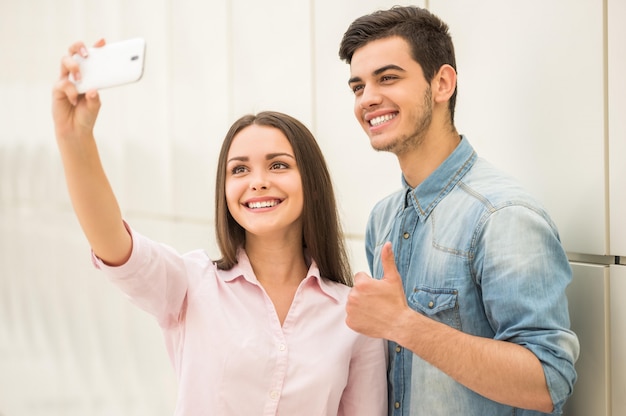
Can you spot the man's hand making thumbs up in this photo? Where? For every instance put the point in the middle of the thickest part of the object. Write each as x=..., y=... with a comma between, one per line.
x=378, y=308
x=375, y=305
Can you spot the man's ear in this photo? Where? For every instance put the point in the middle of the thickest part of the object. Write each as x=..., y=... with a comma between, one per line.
x=444, y=84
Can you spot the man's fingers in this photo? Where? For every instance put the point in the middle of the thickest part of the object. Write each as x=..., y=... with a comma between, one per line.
x=360, y=278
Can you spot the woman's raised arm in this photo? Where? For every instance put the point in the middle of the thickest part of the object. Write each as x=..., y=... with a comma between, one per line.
x=91, y=194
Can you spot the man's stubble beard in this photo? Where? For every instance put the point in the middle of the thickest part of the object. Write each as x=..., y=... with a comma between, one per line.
x=408, y=142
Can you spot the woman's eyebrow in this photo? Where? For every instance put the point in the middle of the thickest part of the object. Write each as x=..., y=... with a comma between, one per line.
x=270, y=156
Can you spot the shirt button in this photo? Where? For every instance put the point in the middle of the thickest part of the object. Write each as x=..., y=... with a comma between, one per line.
x=396, y=405
x=406, y=235
x=398, y=348
x=431, y=304
x=274, y=394
x=282, y=347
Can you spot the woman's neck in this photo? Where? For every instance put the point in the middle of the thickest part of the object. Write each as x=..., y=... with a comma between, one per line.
x=277, y=262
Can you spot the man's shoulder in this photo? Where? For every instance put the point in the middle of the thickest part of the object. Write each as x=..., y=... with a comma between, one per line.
x=492, y=184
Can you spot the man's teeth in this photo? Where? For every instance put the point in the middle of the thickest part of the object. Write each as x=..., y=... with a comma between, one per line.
x=381, y=119
x=263, y=204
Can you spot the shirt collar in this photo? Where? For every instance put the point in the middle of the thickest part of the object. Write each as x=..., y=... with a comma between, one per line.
x=243, y=269
x=425, y=197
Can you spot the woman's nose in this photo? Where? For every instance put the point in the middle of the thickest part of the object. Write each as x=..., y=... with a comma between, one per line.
x=259, y=182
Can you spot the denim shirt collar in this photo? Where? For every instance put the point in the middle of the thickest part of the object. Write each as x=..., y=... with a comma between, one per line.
x=425, y=197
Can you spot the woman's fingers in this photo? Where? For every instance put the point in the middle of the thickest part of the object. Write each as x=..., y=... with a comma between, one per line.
x=64, y=88
x=69, y=65
x=99, y=43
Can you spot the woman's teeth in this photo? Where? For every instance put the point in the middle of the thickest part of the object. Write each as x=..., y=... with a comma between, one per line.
x=262, y=204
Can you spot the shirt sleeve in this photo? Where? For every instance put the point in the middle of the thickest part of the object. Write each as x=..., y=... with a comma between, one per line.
x=154, y=278
x=523, y=271
x=366, y=391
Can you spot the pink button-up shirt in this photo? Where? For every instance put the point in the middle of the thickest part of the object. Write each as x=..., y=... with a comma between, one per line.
x=229, y=351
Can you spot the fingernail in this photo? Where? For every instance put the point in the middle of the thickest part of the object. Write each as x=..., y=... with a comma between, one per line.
x=83, y=51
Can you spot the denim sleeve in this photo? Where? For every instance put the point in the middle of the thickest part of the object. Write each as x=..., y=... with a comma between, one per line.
x=523, y=271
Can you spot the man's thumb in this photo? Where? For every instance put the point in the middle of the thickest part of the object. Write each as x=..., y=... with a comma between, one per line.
x=390, y=271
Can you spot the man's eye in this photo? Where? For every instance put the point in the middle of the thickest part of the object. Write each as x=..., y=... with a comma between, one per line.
x=388, y=78
x=357, y=88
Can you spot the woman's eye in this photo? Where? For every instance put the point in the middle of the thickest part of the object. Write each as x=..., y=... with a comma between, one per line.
x=279, y=165
x=237, y=169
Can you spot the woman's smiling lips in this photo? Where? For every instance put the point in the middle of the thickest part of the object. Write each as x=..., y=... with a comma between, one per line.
x=264, y=203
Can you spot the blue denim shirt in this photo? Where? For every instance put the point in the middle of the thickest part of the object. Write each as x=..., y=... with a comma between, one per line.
x=475, y=252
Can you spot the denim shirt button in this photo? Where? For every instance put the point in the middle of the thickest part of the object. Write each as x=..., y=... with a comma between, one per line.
x=396, y=405
x=398, y=348
x=431, y=304
x=406, y=235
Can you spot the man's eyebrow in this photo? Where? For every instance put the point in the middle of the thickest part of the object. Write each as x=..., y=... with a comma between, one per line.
x=378, y=72
x=353, y=80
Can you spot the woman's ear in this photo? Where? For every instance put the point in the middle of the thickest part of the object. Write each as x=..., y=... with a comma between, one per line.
x=444, y=84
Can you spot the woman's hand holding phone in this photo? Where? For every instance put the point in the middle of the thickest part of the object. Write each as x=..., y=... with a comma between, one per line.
x=110, y=65
x=85, y=70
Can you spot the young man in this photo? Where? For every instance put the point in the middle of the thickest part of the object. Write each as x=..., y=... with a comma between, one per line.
x=470, y=274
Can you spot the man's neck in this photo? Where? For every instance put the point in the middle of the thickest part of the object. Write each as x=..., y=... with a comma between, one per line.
x=418, y=163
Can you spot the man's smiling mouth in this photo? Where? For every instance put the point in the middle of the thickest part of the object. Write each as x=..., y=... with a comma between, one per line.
x=377, y=121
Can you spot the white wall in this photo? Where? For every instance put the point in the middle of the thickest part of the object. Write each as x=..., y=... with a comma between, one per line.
x=532, y=99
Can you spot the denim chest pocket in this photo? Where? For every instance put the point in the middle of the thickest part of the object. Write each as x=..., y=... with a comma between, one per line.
x=439, y=304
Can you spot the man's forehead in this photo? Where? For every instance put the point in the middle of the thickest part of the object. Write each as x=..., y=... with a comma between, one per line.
x=379, y=55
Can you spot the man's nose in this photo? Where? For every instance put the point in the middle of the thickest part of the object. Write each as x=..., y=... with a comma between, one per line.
x=370, y=96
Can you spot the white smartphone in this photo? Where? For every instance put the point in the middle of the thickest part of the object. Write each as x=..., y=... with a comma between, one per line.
x=111, y=65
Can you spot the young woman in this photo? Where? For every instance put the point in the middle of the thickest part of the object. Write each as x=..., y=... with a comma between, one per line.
x=261, y=331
